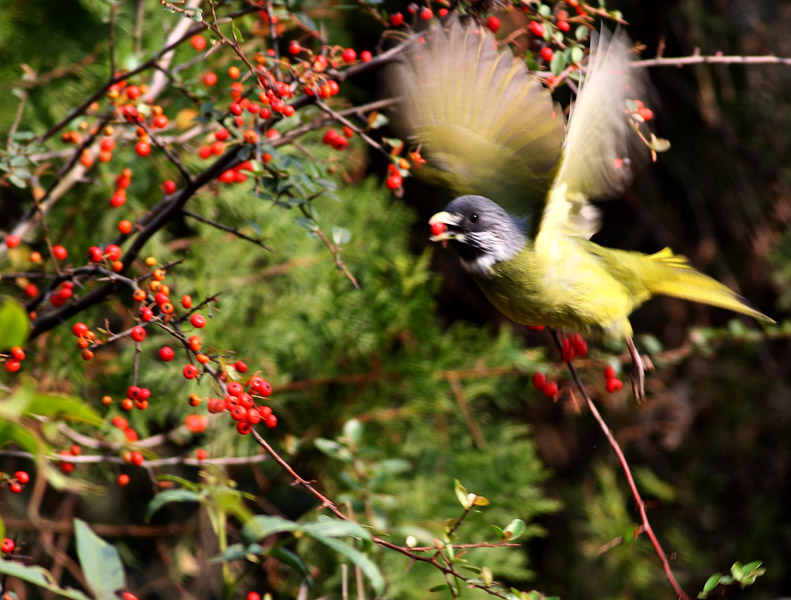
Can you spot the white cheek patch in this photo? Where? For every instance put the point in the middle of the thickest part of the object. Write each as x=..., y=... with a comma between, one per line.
x=494, y=249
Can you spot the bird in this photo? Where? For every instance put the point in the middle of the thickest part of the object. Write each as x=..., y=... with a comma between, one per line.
x=489, y=131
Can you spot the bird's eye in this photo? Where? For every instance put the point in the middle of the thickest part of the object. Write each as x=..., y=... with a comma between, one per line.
x=474, y=217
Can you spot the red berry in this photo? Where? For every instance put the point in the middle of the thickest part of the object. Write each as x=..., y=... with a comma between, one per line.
x=393, y=182
x=198, y=320
x=222, y=134
x=169, y=186
x=128, y=596
x=19, y=354
x=137, y=458
x=31, y=290
x=240, y=366
x=146, y=314
x=564, y=26
x=537, y=29
x=198, y=42
x=613, y=384
x=547, y=53
x=94, y=254
x=426, y=13
x=190, y=372
x=349, y=55
x=113, y=252
x=235, y=109
x=143, y=148
x=551, y=389
x=294, y=47
x=535, y=328
x=80, y=329
x=365, y=56
x=438, y=228
x=196, y=423
x=12, y=241
x=166, y=354
x=138, y=334
x=120, y=422
x=493, y=24
x=15, y=488
x=12, y=365
x=210, y=79
x=396, y=19
x=567, y=352
x=59, y=252
x=125, y=227
x=7, y=547
x=22, y=477
x=123, y=480
x=271, y=421
x=201, y=454
x=539, y=381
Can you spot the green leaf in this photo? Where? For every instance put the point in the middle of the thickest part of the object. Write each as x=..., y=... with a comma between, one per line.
x=100, y=562
x=367, y=566
x=514, y=529
x=307, y=223
x=581, y=32
x=341, y=236
x=60, y=406
x=232, y=552
x=558, y=63
x=352, y=429
x=237, y=34
x=576, y=55
x=333, y=449
x=659, y=144
x=461, y=494
x=295, y=562
x=335, y=528
x=544, y=10
x=14, y=324
x=737, y=571
x=262, y=526
x=39, y=576
x=169, y=496
x=711, y=583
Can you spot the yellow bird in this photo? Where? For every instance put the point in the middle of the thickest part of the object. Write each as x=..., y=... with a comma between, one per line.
x=490, y=133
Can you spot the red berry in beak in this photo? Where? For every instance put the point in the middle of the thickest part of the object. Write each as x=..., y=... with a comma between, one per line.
x=438, y=228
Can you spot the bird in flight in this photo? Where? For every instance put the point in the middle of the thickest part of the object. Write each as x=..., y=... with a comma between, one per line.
x=491, y=134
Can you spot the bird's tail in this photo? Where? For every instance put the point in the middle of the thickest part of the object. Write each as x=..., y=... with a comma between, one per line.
x=679, y=279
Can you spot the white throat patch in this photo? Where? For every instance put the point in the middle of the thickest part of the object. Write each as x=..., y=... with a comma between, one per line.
x=497, y=250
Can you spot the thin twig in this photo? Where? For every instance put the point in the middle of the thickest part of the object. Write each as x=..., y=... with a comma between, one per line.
x=627, y=471
x=222, y=227
x=716, y=59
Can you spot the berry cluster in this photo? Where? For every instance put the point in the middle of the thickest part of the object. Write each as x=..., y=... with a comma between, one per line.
x=15, y=483
x=611, y=383
x=548, y=388
x=240, y=402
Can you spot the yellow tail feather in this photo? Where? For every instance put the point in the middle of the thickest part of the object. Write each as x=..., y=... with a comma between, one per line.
x=681, y=280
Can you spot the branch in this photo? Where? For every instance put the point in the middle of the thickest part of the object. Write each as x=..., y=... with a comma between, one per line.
x=716, y=59
x=627, y=471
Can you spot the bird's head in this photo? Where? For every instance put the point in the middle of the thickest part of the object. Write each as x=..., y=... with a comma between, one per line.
x=481, y=232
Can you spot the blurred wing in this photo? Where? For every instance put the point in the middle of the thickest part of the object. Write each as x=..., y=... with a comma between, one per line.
x=601, y=149
x=484, y=125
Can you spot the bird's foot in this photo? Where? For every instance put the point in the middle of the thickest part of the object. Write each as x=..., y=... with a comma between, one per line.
x=637, y=378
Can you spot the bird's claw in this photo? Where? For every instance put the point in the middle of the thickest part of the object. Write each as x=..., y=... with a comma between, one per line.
x=637, y=377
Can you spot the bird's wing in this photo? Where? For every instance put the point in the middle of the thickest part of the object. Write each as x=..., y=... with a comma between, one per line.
x=601, y=150
x=484, y=125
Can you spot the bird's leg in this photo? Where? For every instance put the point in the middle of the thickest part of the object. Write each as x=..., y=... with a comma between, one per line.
x=637, y=378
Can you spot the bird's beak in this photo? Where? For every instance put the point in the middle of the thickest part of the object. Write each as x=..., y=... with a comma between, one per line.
x=441, y=224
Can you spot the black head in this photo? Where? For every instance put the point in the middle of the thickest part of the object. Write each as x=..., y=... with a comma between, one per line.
x=480, y=230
